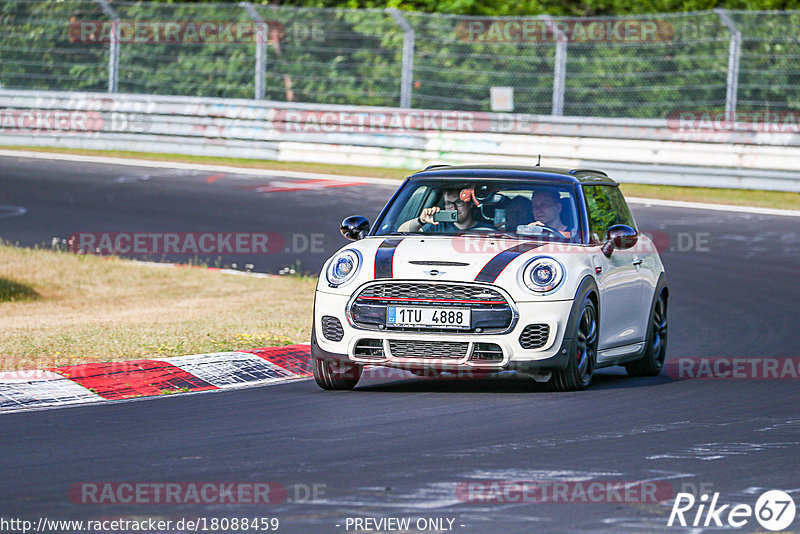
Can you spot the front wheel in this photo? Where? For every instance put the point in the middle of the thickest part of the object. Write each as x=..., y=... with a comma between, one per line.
x=332, y=374
x=656, y=353
x=580, y=365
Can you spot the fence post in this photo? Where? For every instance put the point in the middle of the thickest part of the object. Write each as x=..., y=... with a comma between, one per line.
x=113, y=48
x=734, y=53
x=261, y=50
x=408, y=57
x=559, y=67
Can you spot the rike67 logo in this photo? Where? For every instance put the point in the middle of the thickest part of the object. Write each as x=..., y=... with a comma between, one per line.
x=774, y=510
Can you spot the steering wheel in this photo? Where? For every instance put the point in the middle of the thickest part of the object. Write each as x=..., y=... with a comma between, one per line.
x=538, y=229
x=552, y=231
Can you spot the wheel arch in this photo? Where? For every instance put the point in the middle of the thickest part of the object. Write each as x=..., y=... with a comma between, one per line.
x=661, y=287
x=647, y=365
x=587, y=288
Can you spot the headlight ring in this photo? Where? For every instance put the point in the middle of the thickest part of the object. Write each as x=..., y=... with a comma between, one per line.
x=543, y=274
x=343, y=267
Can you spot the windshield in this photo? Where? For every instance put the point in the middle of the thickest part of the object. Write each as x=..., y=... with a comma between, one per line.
x=537, y=210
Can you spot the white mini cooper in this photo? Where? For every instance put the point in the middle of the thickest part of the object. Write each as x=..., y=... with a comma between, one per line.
x=480, y=269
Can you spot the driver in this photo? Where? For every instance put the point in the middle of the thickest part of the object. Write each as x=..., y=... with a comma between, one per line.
x=546, y=204
x=465, y=219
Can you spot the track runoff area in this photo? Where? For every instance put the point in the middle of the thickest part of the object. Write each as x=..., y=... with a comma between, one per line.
x=704, y=442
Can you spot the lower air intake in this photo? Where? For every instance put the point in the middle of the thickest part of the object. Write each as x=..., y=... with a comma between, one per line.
x=487, y=352
x=369, y=348
x=534, y=336
x=451, y=350
x=331, y=328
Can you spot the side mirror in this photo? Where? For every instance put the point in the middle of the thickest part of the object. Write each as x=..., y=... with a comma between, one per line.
x=619, y=236
x=354, y=227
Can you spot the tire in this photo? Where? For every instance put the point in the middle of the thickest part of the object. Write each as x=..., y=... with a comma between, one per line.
x=583, y=352
x=332, y=374
x=652, y=362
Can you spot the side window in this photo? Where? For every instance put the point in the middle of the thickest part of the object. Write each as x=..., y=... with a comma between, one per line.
x=415, y=204
x=620, y=207
x=600, y=211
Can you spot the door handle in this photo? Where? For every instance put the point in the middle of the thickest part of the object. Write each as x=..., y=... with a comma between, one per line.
x=637, y=261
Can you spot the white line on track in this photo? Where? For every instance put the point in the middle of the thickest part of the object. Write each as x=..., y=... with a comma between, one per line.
x=194, y=167
x=343, y=178
x=11, y=211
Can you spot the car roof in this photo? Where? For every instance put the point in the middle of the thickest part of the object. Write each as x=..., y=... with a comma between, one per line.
x=515, y=172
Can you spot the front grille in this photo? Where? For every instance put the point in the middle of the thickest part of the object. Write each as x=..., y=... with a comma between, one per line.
x=487, y=352
x=369, y=348
x=428, y=349
x=534, y=336
x=439, y=263
x=491, y=311
x=331, y=328
x=433, y=294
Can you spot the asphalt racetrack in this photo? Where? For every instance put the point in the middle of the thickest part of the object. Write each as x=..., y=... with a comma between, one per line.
x=406, y=447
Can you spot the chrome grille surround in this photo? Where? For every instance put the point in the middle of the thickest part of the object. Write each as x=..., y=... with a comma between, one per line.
x=476, y=296
x=390, y=291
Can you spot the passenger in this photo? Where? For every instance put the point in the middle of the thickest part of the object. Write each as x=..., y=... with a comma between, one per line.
x=465, y=219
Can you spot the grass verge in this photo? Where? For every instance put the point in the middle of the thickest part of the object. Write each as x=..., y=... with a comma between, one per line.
x=345, y=170
x=79, y=309
x=739, y=197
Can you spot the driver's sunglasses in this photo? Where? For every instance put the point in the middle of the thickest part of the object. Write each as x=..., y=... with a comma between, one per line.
x=454, y=205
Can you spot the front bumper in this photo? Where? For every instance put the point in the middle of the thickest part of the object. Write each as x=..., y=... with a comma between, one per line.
x=551, y=355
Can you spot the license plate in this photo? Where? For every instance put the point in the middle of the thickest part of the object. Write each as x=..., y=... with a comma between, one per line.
x=428, y=317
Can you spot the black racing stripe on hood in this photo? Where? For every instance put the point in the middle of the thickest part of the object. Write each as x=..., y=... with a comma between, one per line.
x=384, y=257
x=492, y=270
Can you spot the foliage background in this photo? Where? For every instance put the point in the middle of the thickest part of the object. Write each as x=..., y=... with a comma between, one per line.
x=354, y=57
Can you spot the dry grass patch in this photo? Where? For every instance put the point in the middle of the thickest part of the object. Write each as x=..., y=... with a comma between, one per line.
x=296, y=166
x=80, y=309
x=740, y=197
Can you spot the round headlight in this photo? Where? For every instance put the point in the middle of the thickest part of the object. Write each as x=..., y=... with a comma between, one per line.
x=543, y=274
x=343, y=267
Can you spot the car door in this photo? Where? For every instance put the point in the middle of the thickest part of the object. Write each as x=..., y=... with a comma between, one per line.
x=620, y=277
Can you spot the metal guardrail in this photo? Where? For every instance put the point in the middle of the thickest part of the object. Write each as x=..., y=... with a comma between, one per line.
x=631, y=150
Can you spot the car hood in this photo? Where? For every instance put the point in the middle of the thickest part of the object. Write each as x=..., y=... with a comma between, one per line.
x=440, y=258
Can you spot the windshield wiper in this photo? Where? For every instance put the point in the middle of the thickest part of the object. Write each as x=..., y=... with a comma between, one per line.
x=490, y=234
